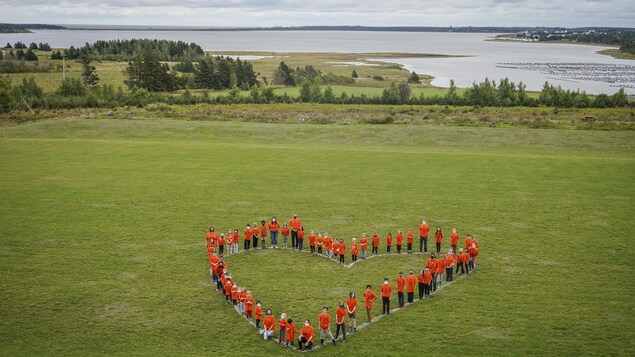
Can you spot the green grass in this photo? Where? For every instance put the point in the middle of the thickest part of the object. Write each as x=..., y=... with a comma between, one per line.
x=616, y=53
x=102, y=234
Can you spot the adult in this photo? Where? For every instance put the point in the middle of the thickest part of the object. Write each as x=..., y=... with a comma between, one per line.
x=274, y=227
x=211, y=237
x=424, y=230
x=438, y=235
x=411, y=282
x=401, y=284
x=269, y=323
x=454, y=240
x=386, y=291
x=351, y=308
x=307, y=335
x=295, y=225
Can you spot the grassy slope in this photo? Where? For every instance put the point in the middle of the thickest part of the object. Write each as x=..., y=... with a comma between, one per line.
x=102, y=227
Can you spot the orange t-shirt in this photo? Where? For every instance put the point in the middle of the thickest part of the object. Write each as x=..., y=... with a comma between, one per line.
x=320, y=242
x=411, y=281
x=354, y=250
x=420, y=278
x=291, y=332
x=273, y=227
x=388, y=241
x=336, y=248
x=242, y=296
x=351, y=305
x=369, y=296
x=248, y=234
x=254, y=231
x=295, y=224
x=411, y=237
x=440, y=266
x=307, y=332
x=263, y=231
x=208, y=237
x=375, y=241
x=363, y=243
x=230, y=239
x=468, y=243
x=325, y=321
x=328, y=241
x=399, y=239
x=427, y=277
x=249, y=303
x=449, y=262
x=312, y=240
x=439, y=236
x=285, y=231
x=236, y=237
x=473, y=252
x=432, y=265
x=400, y=284
x=282, y=324
x=221, y=242
x=258, y=313
x=454, y=239
x=342, y=248
x=340, y=313
x=269, y=322
x=301, y=234
x=424, y=230
x=386, y=290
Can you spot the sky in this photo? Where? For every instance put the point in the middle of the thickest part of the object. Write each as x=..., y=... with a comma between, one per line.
x=266, y=13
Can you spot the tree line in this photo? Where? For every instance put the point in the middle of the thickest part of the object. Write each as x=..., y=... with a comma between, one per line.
x=127, y=50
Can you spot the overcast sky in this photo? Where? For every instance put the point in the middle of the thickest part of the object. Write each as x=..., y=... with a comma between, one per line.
x=570, y=13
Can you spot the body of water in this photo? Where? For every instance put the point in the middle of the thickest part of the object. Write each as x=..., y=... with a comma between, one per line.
x=570, y=66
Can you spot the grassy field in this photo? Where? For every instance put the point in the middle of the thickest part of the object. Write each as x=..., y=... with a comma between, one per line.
x=102, y=227
x=616, y=53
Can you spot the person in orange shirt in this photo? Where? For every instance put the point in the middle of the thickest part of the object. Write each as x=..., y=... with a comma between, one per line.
x=438, y=235
x=468, y=242
x=320, y=243
x=401, y=283
x=291, y=331
x=410, y=238
x=263, y=234
x=424, y=230
x=459, y=262
x=274, y=227
x=249, y=306
x=354, y=250
x=351, y=309
x=282, y=324
x=440, y=270
x=211, y=237
x=369, y=297
x=363, y=245
x=220, y=266
x=375, y=241
x=427, y=281
x=269, y=324
x=340, y=316
x=300, y=240
x=388, y=242
x=285, y=236
x=254, y=234
x=475, y=241
x=229, y=242
x=248, y=237
x=473, y=254
x=399, y=241
x=454, y=240
x=227, y=288
x=242, y=296
x=213, y=264
x=328, y=244
x=449, y=267
x=258, y=314
x=236, y=240
x=336, y=248
x=235, y=290
x=411, y=281
x=221, y=244
x=421, y=284
x=325, y=326
x=295, y=225
x=386, y=291
x=342, y=249
x=307, y=335
x=312, y=241
x=432, y=266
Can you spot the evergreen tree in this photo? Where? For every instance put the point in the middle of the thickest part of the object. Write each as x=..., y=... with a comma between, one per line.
x=30, y=55
x=284, y=75
x=354, y=74
x=33, y=46
x=8, y=45
x=89, y=75
x=71, y=86
x=414, y=78
x=7, y=98
x=57, y=55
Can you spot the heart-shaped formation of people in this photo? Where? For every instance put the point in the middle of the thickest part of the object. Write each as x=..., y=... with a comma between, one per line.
x=428, y=280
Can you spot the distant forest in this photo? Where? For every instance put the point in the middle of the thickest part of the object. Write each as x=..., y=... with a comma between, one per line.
x=24, y=28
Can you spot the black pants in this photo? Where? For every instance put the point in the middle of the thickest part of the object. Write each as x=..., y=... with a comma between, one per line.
x=434, y=282
x=312, y=249
x=421, y=290
x=385, y=303
x=221, y=249
x=438, y=247
x=398, y=249
x=302, y=340
x=423, y=243
x=453, y=248
x=247, y=244
x=411, y=297
x=354, y=258
x=375, y=249
x=426, y=289
x=449, y=274
x=257, y=323
x=342, y=258
x=409, y=247
x=294, y=239
x=255, y=239
x=299, y=242
x=460, y=266
x=319, y=250
x=387, y=249
x=401, y=299
x=337, y=331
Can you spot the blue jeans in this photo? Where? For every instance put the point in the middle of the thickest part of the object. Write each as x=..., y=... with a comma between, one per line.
x=274, y=238
x=363, y=253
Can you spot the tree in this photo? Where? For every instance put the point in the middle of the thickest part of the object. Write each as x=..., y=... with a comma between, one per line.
x=284, y=75
x=30, y=55
x=354, y=74
x=8, y=45
x=404, y=92
x=57, y=55
x=452, y=97
x=145, y=71
x=19, y=45
x=71, y=86
x=305, y=92
x=33, y=46
x=89, y=75
x=6, y=95
x=414, y=78
x=28, y=88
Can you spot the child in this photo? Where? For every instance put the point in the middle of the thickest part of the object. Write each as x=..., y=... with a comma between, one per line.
x=340, y=315
x=351, y=309
x=354, y=250
x=399, y=241
x=328, y=244
x=325, y=326
x=369, y=297
x=254, y=234
x=411, y=281
x=386, y=291
x=401, y=283
x=235, y=292
x=300, y=242
x=312, y=241
x=342, y=253
x=274, y=227
x=241, y=301
x=221, y=244
x=449, y=266
x=248, y=237
x=427, y=281
x=459, y=261
x=438, y=235
x=230, y=242
x=336, y=248
x=211, y=237
x=468, y=242
x=227, y=288
x=363, y=245
x=236, y=239
x=249, y=304
x=269, y=324
x=258, y=313
x=432, y=266
x=388, y=242
x=282, y=324
x=473, y=255
x=410, y=237
x=375, y=241
x=421, y=282
x=440, y=271
x=454, y=239
x=290, y=336
x=320, y=243
x=285, y=236
x=306, y=336
x=263, y=234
